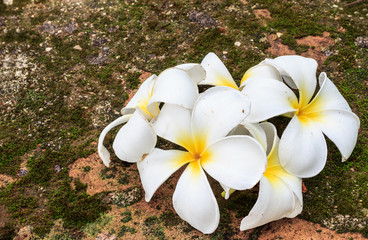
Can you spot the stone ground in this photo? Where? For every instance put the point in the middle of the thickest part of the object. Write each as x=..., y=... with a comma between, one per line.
x=67, y=68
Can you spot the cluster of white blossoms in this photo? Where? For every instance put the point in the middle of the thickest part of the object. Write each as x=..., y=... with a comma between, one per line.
x=224, y=133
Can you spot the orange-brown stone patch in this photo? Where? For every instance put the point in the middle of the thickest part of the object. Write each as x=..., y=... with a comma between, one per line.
x=95, y=182
x=300, y=229
x=262, y=13
x=277, y=48
x=317, y=45
x=5, y=180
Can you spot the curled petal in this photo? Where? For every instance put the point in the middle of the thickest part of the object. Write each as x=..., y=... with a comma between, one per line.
x=194, y=201
x=194, y=70
x=327, y=97
x=280, y=193
x=158, y=166
x=173, y=124
x=141, y=98
x=274, y=167
x=275, y=201
x=341, y=127
x=217, y=73
x=235, y=161
x=173, y=86
x=251, y=129
x=269, y=98
x=102, y=151
x=227, y=191
x=217, y=111
x=134, y=139
x=261, y=71
x=301, y=71
x=303, y=149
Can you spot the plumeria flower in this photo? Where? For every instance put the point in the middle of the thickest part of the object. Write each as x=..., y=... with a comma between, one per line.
x=218, y=75
x=280, y=193
x=235, y=161
x=176, y=85
x=303, y=149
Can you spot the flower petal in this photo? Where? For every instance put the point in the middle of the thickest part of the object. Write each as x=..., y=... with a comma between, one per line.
x=158, y=166
x=327, y=97
x=141, y=98
x=274, y=169
x=261, y=71
x=341, y=127
x=102, y=151
x=235, y=161
x=134, y=139
x=173, y=124
x=275, y=201
x=194, y=70
x=269, y=98
x=194, y=201
x=217, y=111
x=217, y=73
x=303, y=149
x=302, y=72
x=173, y=86
x=251, y=129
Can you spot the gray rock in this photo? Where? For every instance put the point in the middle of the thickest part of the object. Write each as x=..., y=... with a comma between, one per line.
x=202, y=19
x=361, y=42
x=22, y=172
x=125, y=198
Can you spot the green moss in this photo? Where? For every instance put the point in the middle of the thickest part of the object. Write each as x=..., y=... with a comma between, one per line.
x=76, y=208
x=127, y=216
x=153, y=227
x=123, y=179
x=93, y=228
x=27, y=36
x=125, y=229
x=105, y=75
x=170, y=219
x=132, y=80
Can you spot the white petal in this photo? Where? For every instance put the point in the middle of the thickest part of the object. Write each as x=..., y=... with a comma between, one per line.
x=272, y=140
x=261, y=71
x=274, y=167
x=217, y=111
x=302, y=72
x=194, y=70
x=327, y=97
x=141, y=97
x=251, y=129
x=194, y=201
x=256, y=130
x=269, y=98
x=303, y=149
x=173, y=124
x=227, y=191
x=275, y=201
x=158, y=166
x=173, y=86
x=134, y=139
x=217, y=73
x=235, y=161
x=102, y=151
x=341, y=127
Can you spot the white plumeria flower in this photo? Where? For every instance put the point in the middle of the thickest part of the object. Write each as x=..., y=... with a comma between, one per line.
x=303, y=149
x=218, y=75
x=280, y=193
x=235, y=161
x=176, y=85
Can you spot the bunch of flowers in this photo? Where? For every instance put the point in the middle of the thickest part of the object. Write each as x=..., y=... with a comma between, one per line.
x=225, y=134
